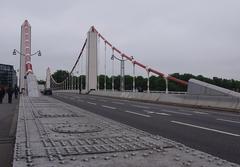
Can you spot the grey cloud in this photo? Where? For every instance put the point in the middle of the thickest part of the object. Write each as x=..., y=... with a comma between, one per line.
x=199, y=37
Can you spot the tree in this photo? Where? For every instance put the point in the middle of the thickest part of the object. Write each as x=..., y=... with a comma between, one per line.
x=156, y=82
x=60, y=75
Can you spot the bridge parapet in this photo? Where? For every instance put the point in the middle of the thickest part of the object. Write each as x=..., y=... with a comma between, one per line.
x=202, y=101
x=196, y=87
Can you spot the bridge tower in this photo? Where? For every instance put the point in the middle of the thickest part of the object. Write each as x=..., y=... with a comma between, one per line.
x=25, y=57
x=91, y=60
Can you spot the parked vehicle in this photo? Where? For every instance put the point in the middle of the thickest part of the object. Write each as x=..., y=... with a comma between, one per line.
x=47, y=92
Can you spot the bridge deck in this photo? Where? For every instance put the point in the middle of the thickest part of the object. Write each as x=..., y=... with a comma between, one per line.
x=53, y=133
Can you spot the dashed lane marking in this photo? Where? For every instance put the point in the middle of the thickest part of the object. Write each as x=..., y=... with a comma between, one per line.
x=149, y=112
x=226, y=120
x=139, y=106
x=91, y=103
x=205, y=128
x=175, y=112
x=110, y=107
x=162, y=113
x=131, y=112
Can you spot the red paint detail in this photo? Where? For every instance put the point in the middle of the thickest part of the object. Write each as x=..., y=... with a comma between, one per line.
x=127, y=57
x=108, y=43
x=118, y=51
x=138, y=63
x=156, y=72
x=177, y=80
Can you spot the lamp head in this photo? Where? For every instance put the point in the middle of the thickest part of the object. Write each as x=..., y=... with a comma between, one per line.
x=39, y=53
x=14, y=52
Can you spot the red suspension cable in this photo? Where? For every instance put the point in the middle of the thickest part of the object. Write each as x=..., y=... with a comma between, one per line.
x=130, y=58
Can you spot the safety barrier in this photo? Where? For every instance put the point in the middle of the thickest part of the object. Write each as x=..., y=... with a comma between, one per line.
x=203, y=101
x=218, y=102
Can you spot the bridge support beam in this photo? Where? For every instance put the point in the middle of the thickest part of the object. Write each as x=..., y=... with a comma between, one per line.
x=91, y=64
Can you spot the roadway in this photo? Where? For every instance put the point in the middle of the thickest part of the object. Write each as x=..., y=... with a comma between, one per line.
x=211, y=131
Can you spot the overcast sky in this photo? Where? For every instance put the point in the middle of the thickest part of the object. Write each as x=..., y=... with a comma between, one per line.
x=185, y=36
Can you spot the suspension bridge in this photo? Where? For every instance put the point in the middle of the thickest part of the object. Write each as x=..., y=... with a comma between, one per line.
x=84, y=125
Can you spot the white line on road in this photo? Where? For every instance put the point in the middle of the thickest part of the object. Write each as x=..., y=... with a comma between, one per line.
x=91, y=103
x=113, y=108
x=115, y=102
x=198, y=112
x=140, y=106
x=158, y=113
x=226, y=120
x=162, y=113
x=175, y=112
x=80, y=100
x=149, y=112
x=144, y=115
x=204, y=128
x=92, y=98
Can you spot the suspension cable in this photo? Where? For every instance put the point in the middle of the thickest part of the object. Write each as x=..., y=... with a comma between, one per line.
x=80, y=54
x=130, y=58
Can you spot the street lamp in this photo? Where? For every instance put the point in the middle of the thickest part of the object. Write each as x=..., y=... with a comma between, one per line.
x=23, y=76
x=121, y=70
x=15, y=51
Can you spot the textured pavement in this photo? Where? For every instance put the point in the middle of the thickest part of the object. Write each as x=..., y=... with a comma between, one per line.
x=53, y=133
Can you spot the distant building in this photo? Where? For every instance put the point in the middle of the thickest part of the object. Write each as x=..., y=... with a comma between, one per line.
x=7, y=75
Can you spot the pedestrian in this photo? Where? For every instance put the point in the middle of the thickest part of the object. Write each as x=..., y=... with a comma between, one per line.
x=2, y=93
x=10, y=92
x=16, y=90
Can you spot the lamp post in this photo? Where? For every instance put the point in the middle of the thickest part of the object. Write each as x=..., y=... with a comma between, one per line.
x=122, y=69
x=23, y=74
x=15, y=51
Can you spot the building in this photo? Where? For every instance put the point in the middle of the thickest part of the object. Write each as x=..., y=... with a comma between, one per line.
x=7, y=75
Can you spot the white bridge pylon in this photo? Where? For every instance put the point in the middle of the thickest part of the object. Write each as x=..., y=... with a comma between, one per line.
x=92, y=58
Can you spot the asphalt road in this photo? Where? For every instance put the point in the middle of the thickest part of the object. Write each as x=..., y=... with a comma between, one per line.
x=8, y=121
x=211, y=131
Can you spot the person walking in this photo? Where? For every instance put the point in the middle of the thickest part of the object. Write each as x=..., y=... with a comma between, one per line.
x=16, y=90
x=2, y=93
x=10, y=92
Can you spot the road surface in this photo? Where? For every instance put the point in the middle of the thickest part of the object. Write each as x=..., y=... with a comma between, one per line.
x=214, y=132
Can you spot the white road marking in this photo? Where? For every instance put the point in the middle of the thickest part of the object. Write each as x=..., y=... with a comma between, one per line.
x=91, y=103
x=162, y=113
x=115, y=102
x=158, y=113
x=175, y=112
x=113, y=108
x=92, y=98
x=140, y=106
x=80, y=100
x=199, y=112
x=226, y=120
x=149, y=112
x=205, y=128
x=131, y=112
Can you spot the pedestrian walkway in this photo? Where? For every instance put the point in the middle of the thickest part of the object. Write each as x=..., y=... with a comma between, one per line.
x=8, y=120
